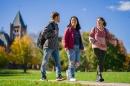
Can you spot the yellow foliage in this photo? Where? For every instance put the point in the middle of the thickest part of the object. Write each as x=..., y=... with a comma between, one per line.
x=23, y=50
x=127, y=61
x=19, y=49
x=3, y=57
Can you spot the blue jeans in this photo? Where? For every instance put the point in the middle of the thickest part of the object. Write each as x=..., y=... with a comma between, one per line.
x=73, y=57
x=55, y=54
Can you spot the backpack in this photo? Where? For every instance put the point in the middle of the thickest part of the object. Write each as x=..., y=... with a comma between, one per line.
x=42, y=36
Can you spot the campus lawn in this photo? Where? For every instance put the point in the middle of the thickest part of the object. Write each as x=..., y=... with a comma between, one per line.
x=32, y=78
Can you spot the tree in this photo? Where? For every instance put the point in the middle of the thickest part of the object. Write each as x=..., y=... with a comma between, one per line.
x=64, y=59
x=88, y=57
x=24, y=51
x=36, y=56
x=3, y=57
x=115, y=57
x=127, y=63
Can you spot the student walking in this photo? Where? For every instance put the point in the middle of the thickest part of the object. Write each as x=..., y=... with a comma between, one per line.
x=100, y=37
x=50, y=47
x=73, y=45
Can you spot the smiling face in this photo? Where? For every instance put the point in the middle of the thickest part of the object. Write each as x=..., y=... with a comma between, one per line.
x=99, y=23
x=73, y=22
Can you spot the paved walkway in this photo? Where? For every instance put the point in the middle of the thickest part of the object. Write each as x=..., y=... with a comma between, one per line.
x=83, y=83
x=92, y=83
x=88, y=83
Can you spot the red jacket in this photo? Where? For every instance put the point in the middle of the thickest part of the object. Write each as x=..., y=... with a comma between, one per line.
x=68, y=39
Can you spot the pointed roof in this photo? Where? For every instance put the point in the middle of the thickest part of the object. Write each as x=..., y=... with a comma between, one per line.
x=4, y=38
x=18, y=21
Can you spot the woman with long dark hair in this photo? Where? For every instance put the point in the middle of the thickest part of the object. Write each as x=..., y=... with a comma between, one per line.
x=73, y=44
x=100, y=37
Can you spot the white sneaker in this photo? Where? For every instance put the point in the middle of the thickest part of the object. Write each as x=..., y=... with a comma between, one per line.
x=72, y=79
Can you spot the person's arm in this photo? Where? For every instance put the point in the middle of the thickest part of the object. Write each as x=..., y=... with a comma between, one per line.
x=92, y=36
x=81, y=43
x=65, y=39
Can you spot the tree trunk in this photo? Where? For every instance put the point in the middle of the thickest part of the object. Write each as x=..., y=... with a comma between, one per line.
x=25, y=68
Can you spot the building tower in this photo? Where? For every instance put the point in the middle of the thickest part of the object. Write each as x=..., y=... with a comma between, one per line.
x=18, y=27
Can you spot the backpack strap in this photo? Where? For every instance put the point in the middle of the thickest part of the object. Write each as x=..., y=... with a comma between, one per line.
x=106, y=31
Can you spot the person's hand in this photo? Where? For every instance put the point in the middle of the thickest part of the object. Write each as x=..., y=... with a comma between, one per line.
x=100, y=44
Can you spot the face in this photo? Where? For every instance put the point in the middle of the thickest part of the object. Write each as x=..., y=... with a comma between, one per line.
x=99, y=23
x=73, y=22
x=57, y=19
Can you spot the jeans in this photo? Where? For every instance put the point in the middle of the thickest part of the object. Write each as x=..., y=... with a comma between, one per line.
x=100, y=54
x=55, y=54
x=73, y=57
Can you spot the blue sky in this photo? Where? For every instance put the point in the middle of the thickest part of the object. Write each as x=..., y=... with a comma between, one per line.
x=36, y=14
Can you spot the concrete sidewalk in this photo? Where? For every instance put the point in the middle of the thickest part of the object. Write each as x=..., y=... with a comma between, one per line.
x=88, y=83
x=83, y=83
x=92, y=83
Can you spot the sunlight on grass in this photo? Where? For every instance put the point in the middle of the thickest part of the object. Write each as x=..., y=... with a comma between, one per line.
x=32, y=78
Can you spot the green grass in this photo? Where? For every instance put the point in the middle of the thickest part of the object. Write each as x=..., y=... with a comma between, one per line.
x=33, y=83
x=31, y=78
x=119, y=77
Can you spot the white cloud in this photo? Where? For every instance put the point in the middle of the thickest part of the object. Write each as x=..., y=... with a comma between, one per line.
x=122, y=6
x=111, y=7
x=84, y=9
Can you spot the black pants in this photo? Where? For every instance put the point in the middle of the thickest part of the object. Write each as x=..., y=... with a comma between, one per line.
x=100, y=55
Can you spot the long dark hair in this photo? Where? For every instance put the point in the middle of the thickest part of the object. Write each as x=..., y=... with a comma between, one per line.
x=102, y=19
x=77, y=26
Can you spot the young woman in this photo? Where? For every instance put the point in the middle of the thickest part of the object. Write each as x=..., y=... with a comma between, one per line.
x=99, y=37
x=73, y=44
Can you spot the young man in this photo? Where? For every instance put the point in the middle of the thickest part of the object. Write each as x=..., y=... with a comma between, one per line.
x=50, y=47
